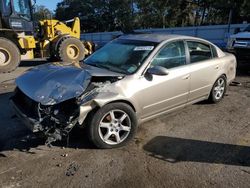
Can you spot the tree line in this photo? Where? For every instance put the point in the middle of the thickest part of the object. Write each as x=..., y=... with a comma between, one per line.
x=126, y=15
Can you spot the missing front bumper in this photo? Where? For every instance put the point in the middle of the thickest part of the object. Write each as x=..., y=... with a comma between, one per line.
x=31, y=123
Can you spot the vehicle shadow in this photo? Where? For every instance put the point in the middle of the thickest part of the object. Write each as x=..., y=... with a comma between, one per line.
x=174, y=150
x=15, y=136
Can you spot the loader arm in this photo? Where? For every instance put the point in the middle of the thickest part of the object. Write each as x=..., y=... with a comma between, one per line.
x=54, y=28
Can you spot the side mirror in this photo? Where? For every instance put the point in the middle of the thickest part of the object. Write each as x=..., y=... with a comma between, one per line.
x=158, y=70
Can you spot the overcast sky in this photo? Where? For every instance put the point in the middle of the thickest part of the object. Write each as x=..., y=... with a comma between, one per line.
x=50, y=4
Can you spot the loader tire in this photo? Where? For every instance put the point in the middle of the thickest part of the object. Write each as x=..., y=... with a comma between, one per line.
x=10, y=56
x=71, y=50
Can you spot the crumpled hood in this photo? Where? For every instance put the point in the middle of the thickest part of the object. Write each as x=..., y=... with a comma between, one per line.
x=50, y=84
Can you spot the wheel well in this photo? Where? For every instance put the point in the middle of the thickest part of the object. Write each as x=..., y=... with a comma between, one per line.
x=124, y=101
x=220, y=76
x=87, y=119
x=224, y=75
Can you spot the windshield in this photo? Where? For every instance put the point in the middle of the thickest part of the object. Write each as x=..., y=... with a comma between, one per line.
x=123, y=56
x=5, y=7
x=22, y=8
x=247, y=29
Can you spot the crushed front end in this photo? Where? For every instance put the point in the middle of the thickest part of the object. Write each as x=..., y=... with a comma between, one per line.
x=55, y=121
x=53, y=99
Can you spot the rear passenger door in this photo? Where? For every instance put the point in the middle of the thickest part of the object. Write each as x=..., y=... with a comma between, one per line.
x=204, y=66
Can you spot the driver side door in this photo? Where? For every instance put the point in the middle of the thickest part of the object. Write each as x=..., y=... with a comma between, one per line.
x=161, y=94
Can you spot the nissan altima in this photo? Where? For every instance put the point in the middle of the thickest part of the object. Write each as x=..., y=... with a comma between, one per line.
x=130, y=80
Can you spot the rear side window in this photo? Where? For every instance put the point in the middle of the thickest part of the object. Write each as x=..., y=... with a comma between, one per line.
x=199, y=51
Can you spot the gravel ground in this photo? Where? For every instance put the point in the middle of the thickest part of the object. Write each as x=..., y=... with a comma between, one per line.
x=203, y=145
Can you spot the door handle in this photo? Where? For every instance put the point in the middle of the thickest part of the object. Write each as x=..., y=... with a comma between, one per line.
x=186, y=77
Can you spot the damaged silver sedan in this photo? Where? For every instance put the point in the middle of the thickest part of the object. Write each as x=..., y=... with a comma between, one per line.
x=130, y=80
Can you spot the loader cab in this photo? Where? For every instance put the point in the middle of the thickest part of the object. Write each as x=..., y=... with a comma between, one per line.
x=16, y=15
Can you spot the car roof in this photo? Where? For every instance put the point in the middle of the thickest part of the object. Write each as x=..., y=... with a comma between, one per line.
x=155, y=37
x=160, y=37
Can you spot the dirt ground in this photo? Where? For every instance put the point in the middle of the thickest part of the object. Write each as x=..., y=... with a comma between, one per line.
x=203, y=145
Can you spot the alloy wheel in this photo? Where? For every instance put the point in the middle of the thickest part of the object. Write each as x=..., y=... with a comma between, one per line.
x=114, y=127
x=219, y=89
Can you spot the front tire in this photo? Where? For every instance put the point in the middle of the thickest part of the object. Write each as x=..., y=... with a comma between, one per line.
x=219, y=89
x=112, y=126
x=10, y=56
x=71, y=50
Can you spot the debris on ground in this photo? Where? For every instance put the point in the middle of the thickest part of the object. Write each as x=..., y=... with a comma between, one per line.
x=2, y=155
x=235, y=83
x=72, y=169
x=65, y=155
x=246, y=171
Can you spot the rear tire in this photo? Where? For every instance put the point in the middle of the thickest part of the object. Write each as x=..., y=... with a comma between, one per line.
x=112, y=126
x=70, y=50
x=10, y=56
x=219, y=89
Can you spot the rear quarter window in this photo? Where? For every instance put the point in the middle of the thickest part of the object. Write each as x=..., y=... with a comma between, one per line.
x=214, y=51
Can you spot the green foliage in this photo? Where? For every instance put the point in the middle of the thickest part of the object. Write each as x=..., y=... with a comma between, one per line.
x=126, y=15
x=41, y=13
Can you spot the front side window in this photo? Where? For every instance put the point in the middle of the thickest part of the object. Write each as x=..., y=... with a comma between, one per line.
x=170, y=56
x=199, y=51
x=22, y=8
x=124, y=56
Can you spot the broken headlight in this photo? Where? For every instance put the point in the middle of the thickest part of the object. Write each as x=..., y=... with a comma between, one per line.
x=86, y=97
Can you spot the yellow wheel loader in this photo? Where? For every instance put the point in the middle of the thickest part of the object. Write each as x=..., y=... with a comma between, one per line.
x=55, y=39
